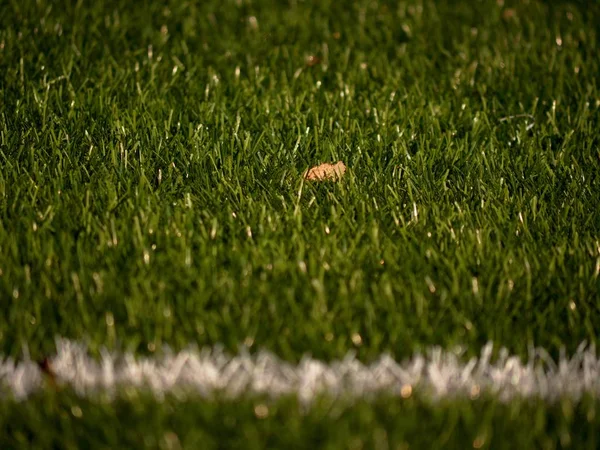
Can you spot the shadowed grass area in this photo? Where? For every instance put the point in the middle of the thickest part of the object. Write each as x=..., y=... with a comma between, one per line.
x=72, y=422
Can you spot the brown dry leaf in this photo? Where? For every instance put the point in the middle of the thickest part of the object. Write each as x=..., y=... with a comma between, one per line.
x=326, y=171
x=46, y=368
x=312, y=60
x=509, y=13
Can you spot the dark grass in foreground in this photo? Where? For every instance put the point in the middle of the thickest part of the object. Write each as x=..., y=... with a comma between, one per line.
x=63, y=420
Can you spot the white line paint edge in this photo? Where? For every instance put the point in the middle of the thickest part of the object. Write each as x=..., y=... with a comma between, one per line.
x=437, y=373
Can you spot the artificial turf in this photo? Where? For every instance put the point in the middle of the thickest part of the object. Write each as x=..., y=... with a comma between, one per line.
x=134, y=421
x=151, y=175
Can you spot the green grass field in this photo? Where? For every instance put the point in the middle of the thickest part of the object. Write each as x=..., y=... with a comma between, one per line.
x=152, y=194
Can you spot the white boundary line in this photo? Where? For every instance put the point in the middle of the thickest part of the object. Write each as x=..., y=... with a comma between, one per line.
x=437, y=373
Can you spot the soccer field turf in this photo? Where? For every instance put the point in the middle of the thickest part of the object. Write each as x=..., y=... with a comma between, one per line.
x=153, y=202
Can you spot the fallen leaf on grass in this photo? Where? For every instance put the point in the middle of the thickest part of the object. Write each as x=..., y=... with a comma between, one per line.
x=509, y=13
x=46, y=368
x=326, y=171
x=312, y=60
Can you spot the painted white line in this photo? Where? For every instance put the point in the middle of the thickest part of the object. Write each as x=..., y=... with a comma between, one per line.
x=437, y=373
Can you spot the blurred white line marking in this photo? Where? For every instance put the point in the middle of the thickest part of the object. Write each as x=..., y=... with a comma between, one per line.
x=437, y=373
